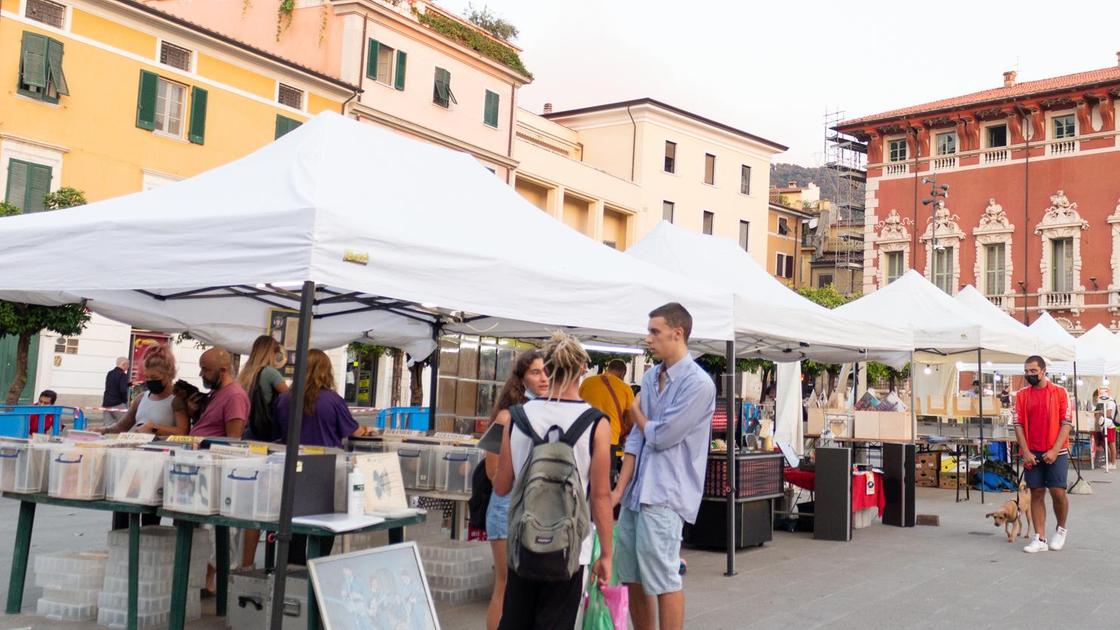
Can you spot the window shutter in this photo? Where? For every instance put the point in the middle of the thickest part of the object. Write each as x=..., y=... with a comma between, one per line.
x=197, y=131
x=789, y=266
x=54, y=64
x=38, y=186
x=16, y=191
x=402, y=60
x=441, y=91
x=490, y=115
x=371, y=58
x=146, y=100
x=33, y=57
x=285, y=124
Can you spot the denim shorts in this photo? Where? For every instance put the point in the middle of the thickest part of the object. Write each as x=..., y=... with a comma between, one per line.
x=497, y=517
x=648, y=549
x=1043, y=475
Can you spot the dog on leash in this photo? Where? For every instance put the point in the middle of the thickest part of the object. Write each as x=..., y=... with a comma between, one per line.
x=1011, y=514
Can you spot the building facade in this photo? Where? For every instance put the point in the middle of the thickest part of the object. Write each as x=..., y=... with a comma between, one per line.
x=1033, y=206
x=785, y=228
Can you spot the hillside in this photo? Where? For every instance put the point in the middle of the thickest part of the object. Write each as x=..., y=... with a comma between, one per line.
x=781, y=174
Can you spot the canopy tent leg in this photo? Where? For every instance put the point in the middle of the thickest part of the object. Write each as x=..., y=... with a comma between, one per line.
x=913, y=409
x=1076, y=418
x=732, y=444
x=433, y=386
x=291, y=453
x=980, y=410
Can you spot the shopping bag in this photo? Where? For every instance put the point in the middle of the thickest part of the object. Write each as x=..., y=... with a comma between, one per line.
x=606, y=608
x=596, y=615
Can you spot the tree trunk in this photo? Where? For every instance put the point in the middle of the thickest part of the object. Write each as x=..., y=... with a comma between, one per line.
x=416, y=385
x=398, y=376
x=19, y=379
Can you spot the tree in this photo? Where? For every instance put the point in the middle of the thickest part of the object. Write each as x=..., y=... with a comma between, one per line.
x=496, y=26
x=827, y=297
x=24, y=321
x=599, y=360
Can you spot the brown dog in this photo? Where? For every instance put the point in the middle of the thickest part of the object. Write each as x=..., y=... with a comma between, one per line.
x=1010, y=514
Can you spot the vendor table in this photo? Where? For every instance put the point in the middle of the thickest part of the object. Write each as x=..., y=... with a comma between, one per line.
x=316, y=539
x=863, y=496
x=26, y=523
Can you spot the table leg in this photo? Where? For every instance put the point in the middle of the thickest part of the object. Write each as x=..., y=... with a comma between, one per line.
x=133, y=569
x=269, y=552
x=455, y=529
x=315, y=546
x=396, y=535
x=221, y=551
x=19, y=560
x=180, y=580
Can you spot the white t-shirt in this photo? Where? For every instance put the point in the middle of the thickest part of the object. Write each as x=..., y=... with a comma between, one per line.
x=157, y=412
x=544, y=414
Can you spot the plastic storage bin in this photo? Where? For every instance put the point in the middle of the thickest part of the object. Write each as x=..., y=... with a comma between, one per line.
x=251, y=488
x=65, y=612
x=192, y=483
x=23, y=467
x=135, y=475
x=416, y=465
x=454, y=468
x=20, y=421
x=77, y=472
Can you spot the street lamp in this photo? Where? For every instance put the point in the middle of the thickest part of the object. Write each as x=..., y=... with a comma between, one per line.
x=935, y=190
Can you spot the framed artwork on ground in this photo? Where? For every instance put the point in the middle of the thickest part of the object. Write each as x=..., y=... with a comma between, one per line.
x=383, y=588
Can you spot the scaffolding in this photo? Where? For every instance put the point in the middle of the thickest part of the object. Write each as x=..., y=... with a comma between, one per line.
x=841, y=230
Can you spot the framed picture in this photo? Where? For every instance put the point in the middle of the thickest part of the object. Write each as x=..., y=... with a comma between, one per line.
x=283, y=326
x=377, y=588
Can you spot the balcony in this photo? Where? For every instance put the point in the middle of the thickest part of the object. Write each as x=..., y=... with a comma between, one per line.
x=842, y=245
x=1062, y=147
x=1004, y=302
x=1059, y=300
x=995, y=156
x=895, y=169
x=945, y=163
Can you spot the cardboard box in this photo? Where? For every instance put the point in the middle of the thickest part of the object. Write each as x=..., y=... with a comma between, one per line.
x=931, y=460
x=896, y=426
x=948, y=480
x=927, y=478
x=866, y=425
x=816, y=421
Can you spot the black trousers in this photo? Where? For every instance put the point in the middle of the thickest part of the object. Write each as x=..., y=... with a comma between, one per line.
x=533, y=605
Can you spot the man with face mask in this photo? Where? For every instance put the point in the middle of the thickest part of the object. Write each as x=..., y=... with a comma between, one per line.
x=1042, y=427
x=228, y=410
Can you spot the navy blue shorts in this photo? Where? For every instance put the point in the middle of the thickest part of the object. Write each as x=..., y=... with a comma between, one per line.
x=1043, y=475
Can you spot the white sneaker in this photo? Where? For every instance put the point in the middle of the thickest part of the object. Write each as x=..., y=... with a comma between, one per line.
x=1037, y=545
x=1059, y=540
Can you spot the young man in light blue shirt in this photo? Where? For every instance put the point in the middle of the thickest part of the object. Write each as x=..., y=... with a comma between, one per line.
x=662, y=476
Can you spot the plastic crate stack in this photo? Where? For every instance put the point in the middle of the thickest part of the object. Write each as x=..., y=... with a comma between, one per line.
x=458, y=571
x=157, y=560
x=70, y=581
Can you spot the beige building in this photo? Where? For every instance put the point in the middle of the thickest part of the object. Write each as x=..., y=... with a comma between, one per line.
x=614, y=171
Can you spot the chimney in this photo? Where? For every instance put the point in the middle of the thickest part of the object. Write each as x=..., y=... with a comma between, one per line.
x=548, y=108
x=1009, y=78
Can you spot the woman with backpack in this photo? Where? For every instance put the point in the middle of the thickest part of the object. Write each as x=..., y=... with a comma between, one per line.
x=526, y=381
x=555, y=467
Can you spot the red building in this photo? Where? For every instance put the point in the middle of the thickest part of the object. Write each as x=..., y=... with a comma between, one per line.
x=1032, y=218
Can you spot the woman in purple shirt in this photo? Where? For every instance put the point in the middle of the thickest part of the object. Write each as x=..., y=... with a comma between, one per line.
x=326, y=418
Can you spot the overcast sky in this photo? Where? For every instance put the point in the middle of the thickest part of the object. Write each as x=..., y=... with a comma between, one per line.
x=773, y=68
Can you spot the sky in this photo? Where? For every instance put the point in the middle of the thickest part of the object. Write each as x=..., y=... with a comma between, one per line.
x=775, y=68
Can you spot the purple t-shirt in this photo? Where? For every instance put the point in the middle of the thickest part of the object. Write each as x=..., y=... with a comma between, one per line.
x=228, y=403
x=328, y=426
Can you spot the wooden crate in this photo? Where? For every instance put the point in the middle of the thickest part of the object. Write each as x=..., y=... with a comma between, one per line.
x=866, y=425
x=896, y=426
x=816, y=421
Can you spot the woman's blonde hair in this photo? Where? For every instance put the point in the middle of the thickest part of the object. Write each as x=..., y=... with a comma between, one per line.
x=159, y=357
x=320, y=376
x=264, y=353
x=564, y=361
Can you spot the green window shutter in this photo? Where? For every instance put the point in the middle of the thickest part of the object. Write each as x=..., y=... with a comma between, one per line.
x=285, y=124
x=402, y=59
x=16, y=191
x=33, y=61
x=371, y=58
x=490, y=113
x=442, y=92
x=146, y=100
x=38, y=186
x=54, y=65
x=197, y=132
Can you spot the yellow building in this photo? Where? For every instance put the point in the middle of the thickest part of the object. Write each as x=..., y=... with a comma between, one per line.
x=113, y=97
x=783, y=243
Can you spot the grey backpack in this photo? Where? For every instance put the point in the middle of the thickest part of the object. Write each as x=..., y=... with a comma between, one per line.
x=548, y=513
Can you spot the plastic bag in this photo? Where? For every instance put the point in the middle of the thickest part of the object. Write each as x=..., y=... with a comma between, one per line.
x=605, y=608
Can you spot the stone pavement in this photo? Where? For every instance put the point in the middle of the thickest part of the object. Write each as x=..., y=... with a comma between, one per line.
x=961, y=574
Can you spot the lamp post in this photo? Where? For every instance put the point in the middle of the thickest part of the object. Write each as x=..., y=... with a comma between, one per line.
x=935, y=190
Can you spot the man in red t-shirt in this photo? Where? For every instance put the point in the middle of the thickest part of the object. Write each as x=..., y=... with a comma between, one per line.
x=1042, y=427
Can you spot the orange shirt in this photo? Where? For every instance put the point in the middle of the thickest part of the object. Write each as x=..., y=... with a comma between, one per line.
x=1041, y=413
x=594, y=391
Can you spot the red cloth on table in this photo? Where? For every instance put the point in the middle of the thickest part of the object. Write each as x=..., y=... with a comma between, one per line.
x=807, y=479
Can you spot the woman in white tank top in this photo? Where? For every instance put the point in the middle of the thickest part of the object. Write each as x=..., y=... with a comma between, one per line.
x=157, y=410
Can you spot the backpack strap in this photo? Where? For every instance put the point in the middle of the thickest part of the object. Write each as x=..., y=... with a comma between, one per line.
x=580, y=426
x=521, y=421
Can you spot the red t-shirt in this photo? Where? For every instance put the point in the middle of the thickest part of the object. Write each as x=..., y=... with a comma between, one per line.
x=1039, y=425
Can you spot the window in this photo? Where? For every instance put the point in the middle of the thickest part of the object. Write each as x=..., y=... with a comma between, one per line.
x=40, y=68
x=947, y=143
x=745, y=179
x=667, y=211
x=824, y=280
x=894, y=266
x=290, y=96
x=161, y=106
x=745, y=235
x=783, y=266
x=789, y=267
x=441, y=93
x=28, y=183
x=997, y=136
x=709, y=169
x=994, y=268
x=175, y=56
x=709, y=220
x=783, y=226
x=490, y=110
x=47, y=12
x=943, y=269
x=670, y=157
x=897, y=150
x=1062, y=280
x=285, y=124
x=386, y=65
x=169, y=107
x=1064, y=127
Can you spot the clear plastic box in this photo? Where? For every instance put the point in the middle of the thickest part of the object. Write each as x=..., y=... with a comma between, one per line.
x=70, y=569
x=470, y=567
x=251, y=488
x=118, y=618
x=147, y=588
x=135, y=476
x=75, y=597
x=77, y=472
x=65, y=612
x=23, y=467
x=144, y=605
x=460, y=597
x=454, y=551
x=461, y=582
x=455, y=468
x=192, y=483
x=416, y=465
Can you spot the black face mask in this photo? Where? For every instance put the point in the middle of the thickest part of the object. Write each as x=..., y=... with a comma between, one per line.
x=1034, y=379
x=155, y=386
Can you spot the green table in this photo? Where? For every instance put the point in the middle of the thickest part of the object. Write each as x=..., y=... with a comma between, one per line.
x=316, y=538
x=23, y=543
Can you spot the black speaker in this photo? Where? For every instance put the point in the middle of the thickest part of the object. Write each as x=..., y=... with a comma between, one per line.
x=832, y=512
x=754, y=521
x=898, y=484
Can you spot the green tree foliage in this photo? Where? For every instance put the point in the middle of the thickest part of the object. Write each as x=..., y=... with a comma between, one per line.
x=64, y=197
x=486, y=19
x=474, y=40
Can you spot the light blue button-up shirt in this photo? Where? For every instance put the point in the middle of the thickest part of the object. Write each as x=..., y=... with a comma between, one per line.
x=672, y=451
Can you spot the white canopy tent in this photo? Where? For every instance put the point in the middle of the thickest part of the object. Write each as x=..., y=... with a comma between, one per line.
x=1048, y=346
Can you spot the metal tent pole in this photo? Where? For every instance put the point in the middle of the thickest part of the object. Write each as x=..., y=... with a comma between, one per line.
x=1076, y=419
x=291, y=453
x=433, y=386
x=732, y=443
x=913, y=408
x=980, y=407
